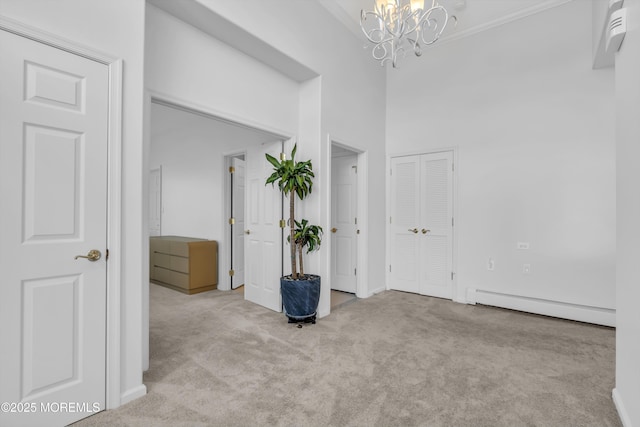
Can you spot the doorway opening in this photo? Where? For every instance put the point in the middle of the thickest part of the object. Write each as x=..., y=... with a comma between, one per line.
x=235, y=203
x=346, y=218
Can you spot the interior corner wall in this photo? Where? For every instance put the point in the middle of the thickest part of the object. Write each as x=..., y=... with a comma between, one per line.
x=627, y=72
x=116, y=28
x=534, y=128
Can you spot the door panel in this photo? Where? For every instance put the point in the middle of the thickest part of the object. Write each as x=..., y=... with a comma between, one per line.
x=53, y=173
x=343, y=221
x=263, y=240
x=53, y=187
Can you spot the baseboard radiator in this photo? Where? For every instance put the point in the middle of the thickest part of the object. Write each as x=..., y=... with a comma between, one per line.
x=564, y=310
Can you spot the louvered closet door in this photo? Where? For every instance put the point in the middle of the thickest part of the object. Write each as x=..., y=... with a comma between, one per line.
x=405, y=217
x=421, y=226
x=436, y=216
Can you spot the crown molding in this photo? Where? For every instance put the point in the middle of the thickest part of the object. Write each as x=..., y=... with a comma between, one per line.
x=341, y=15
x=514, y=16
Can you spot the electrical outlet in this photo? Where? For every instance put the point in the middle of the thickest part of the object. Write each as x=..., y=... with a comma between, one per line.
x=490, y=264
x=526, y=268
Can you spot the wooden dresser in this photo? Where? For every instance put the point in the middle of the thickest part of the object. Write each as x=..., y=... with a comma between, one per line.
x=183, y=263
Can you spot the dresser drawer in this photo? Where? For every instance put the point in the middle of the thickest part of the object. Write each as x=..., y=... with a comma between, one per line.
x=171, y=262
x=175, y=278
x=172, y=247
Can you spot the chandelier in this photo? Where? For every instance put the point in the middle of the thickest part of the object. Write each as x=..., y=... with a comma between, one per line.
x=395, y=26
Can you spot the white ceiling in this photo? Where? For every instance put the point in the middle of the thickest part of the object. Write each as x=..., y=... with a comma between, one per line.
x=473, y=16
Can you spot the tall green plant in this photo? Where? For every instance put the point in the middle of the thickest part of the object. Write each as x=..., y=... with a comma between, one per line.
x=306, y=235
x=293, y=178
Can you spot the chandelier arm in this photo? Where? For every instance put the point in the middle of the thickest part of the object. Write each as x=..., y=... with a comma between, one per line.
x=383, y=48
x=412, y=18
x=363, y=17
x=438, y=29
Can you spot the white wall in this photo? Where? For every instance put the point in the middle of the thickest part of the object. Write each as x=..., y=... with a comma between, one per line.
x=116, y=28
x=627, y=391
x=185, y=63
x=191, y=149
x=190, y=156
x=534, y=127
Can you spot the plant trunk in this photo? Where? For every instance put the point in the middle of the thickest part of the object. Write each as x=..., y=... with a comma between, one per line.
x=301, y=265
x=292, y=242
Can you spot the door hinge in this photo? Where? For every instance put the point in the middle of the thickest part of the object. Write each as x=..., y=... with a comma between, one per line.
x=355, y=271
x=452, y=167
x=283, y=157
x=452, y=222
x=355, y=168
x=283, y=223
x=106, y=255
x=232, y=220
x=232, y=169
x=452, y=275
x=232, y=272
x=356, y=221
x=389, y=220
x=389, y=268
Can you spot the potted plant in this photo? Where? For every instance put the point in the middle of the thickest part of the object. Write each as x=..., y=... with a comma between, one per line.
x=300, y=291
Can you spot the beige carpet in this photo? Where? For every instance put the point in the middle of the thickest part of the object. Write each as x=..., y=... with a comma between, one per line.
x=394, y=359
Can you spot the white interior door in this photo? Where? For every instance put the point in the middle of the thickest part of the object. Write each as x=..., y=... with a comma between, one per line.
x=263, y=235
x=436, y=224
x=155, y=202
x=421, y=224
x=53, y=187
x=343, y=222
x=404, y=222
x=238, y=213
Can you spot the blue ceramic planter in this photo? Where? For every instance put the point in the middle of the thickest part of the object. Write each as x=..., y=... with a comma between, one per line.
x=300, y=298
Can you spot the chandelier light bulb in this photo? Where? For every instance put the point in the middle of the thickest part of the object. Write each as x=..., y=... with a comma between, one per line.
x=417, y=5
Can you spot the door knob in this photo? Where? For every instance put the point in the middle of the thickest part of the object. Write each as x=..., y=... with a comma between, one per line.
x=414, y=230
x=247, y=231
x=425, y=231
x=333, y=230
x=92, y=255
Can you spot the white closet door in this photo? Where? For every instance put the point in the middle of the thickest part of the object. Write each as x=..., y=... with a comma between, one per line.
x=436, y=216
x=421, y=224
x=404, y=223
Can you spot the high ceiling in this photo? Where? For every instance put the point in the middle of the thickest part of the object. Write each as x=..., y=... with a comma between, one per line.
x=472, y=15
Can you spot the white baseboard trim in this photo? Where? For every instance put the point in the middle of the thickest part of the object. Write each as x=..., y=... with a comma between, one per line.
x=133, y=394
x=622, y=412
x=375, y=291
x=564, y=310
